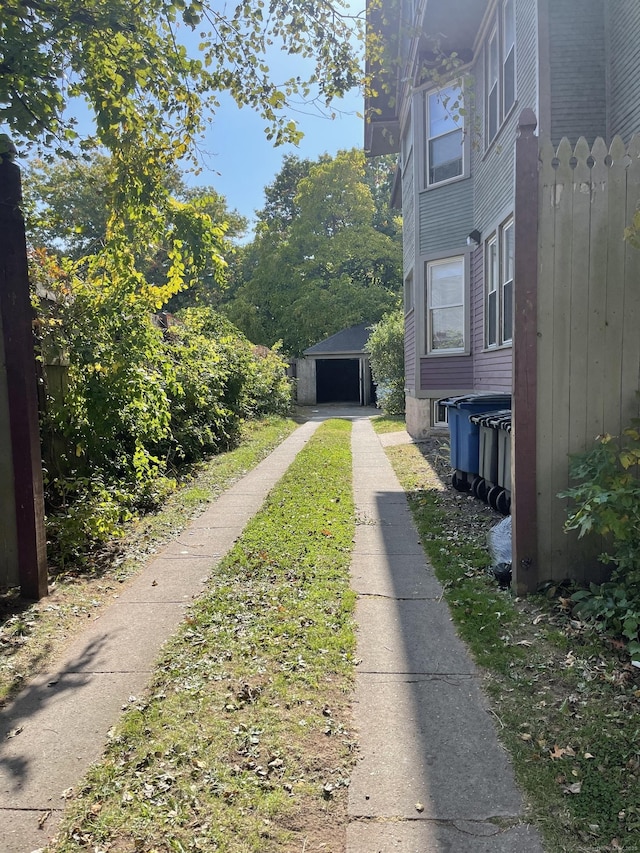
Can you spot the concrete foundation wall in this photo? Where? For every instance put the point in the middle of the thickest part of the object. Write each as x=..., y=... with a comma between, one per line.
x=418, y=416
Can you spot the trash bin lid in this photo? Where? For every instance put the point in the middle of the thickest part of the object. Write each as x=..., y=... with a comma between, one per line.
x=499, y=418
x=502, y=400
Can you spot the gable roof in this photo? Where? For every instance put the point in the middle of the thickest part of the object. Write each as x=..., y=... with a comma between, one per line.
x=349, y=341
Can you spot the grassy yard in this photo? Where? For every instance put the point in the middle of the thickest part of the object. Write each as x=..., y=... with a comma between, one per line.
x=242, y=742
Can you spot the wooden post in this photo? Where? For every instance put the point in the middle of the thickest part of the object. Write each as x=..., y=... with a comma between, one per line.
x=525, y=352
x=17, y=340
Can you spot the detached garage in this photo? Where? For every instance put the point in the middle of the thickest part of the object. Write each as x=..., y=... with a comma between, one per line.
x=337, y=370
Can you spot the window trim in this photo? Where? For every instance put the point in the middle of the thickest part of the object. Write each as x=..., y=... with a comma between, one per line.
x=427, y=184
x=508, y=51
x=495, y=284
x=439, y=415
x=507, y=225
x=463, y=304
x=497, y=52
x=408, y=294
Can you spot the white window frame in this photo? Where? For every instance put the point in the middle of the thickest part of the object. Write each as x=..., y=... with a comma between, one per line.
x=506, y=281
x=408, y=294
x=508, y=65
x=492, y=306
x=440, y=416
x=500, y=67
x=407, y=142
x=492, y=87
x=498, y=300
x=455, y=125
x=432, y=309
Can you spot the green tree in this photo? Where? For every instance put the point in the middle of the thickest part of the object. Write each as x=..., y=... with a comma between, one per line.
x=67, y=204
x=330, y=268
x=150, y=72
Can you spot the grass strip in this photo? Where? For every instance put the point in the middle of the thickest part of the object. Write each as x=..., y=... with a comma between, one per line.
x=241, y=743
x=387, y=423
x=565, y=701
x=31, y=633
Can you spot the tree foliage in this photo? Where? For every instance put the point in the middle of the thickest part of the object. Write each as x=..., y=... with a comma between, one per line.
x=386, y=353
x=150, y=71
x=328, y=268
x=126, y=402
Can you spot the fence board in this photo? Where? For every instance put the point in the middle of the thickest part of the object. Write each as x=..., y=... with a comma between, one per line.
x=560, y=377
x=630, y=375
x=615, y=286
x=544, y=397
x=599, y=240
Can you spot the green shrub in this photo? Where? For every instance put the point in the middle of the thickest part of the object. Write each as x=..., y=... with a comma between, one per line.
x=386, y=352
x=606, y=502
x=133, y=403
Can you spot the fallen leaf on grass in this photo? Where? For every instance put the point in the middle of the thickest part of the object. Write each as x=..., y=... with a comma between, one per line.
x=573, y=789
x=561, y=752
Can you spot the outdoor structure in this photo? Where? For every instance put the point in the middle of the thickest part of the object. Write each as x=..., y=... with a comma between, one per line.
x=22, y=533
x=514, y=123
x=337, y=370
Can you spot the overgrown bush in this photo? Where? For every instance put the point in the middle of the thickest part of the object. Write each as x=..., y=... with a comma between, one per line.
x=134, y=402
x=386, y=352
x=221, y=379
x=606, y=501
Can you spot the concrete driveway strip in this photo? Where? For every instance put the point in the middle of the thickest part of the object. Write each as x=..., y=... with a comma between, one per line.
x=58, y=725
x=432, y=776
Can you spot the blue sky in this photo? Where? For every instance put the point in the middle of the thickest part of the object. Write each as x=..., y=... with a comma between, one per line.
x=240, y=161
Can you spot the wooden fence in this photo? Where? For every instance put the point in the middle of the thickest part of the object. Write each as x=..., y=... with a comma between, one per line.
x=577, y=334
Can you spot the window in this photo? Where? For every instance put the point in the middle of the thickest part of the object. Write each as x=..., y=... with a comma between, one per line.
x=445, y=330
x=440, y=414
x=508, y=57
x=499, y=286
x=506, y=282
x=408, y=293
x=492, y=87
x=444, y=135
x=500, y=70
x=492, y=292
x=407, y=144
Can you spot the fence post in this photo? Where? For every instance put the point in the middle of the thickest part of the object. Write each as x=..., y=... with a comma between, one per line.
x=17, y=343
x=525, y=354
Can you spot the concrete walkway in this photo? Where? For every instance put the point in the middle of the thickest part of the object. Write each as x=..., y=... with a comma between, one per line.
x=57, y=727
x=432, y=776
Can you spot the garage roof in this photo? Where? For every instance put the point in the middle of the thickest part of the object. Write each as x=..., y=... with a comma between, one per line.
x=349, y=341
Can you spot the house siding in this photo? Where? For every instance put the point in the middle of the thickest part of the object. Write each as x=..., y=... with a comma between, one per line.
x=446, y=217
x=577, y=70
x=410, y=350
x=624, y=68
x=450, y=373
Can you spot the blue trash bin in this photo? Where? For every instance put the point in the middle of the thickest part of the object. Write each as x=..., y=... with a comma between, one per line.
x=464, y=435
